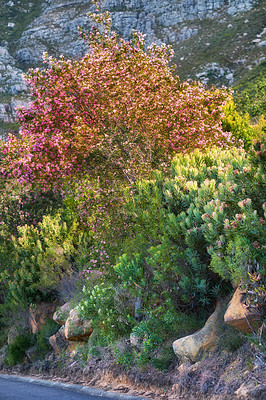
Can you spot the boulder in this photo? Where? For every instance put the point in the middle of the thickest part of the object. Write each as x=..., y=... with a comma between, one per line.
x=62, y=313
x=194, y=347
x=240, y=315
x=39, y=313
x=58, y=341
x=76, y=329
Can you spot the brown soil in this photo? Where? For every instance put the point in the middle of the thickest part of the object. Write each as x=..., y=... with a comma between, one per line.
x=222, y=376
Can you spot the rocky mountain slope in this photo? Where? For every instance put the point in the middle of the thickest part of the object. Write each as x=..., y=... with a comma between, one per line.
x=214, y=40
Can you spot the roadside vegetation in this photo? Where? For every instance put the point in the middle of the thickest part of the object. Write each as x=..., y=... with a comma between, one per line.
x=147, y=192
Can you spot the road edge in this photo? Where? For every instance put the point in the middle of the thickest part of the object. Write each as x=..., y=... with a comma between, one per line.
x=73, y=387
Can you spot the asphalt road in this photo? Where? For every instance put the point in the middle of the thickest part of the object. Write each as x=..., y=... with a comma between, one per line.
x=13, y=390
x=16, y=388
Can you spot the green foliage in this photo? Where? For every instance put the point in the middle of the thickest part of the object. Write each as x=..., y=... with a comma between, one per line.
x=154, y=331
x=123, y=357
x=41, y=256
x=192, y=235
x=238, y=125
x=231, y=340
x=16, y=349
x=250, y=93
x=29, y=10
x=154, y=266
x=20, y=206
x=153, y=337
x=213, y=219
x=42, y=337
x=235, y=224
x=131, y=273
x=13, y=321
x=109, y=310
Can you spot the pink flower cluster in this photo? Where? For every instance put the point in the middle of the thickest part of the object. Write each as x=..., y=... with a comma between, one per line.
x=118, y=102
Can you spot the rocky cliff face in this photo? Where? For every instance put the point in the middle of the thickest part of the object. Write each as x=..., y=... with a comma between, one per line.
x=214, y=40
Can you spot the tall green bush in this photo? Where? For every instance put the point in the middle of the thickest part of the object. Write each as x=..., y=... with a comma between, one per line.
x=16, y=350
x=38, y=258
x=192, y=237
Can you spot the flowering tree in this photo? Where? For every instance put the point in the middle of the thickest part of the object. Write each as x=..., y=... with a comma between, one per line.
x=118, y=109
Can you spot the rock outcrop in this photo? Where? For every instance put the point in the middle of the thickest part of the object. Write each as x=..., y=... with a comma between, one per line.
x=39, y=313
x=62, y=313
x=58, y=341
x=73, y=329
x=56, y=28
x=194, y=347
x=13, y=89
x=12, y=82
x=241, y=316
x=76, y=329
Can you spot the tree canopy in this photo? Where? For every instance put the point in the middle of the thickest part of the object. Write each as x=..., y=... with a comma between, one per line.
x=119, y=108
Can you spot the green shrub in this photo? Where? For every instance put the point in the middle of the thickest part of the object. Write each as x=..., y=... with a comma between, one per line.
x=109, y=310
x=42, y=337
x=124, y=356
x=154, y=331
x=250, y=93
x=210, y=218
x=23, y=206
x=38, y=259
x=193, y=236
x=16, y=349
x=239, y=125
x=231, y=340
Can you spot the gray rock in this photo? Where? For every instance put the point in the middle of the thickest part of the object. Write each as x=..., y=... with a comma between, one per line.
x=27, y=56
x=57, y=27
x=263, y=43
x=215, y=71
